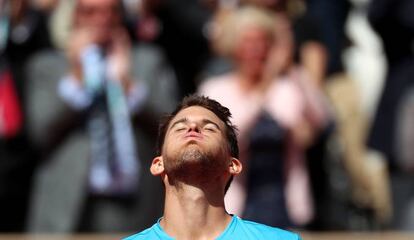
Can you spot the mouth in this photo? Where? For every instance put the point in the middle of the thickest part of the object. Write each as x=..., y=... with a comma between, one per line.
x=193, y=135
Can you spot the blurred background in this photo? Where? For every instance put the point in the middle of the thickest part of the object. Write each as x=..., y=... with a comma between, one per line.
x=322, y=92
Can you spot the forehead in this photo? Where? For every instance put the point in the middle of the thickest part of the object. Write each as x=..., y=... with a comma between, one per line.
x=195, y=113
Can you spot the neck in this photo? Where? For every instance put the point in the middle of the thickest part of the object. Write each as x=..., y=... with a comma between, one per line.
x=248, y=81
x=194, y=213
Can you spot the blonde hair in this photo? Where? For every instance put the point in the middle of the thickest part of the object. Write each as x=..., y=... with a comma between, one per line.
x=228, y=26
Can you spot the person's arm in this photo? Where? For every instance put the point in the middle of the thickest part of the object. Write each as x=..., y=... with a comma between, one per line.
x=299, y=202
x=285, y=104
x=89, y=69
x=313, y=57
x=78, y=98
x=310, y=50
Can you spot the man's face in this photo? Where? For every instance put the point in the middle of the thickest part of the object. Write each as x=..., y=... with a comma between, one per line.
x=195, y=139
x=100, y=17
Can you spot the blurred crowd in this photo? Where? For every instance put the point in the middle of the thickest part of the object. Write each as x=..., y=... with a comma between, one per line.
x=83, y=84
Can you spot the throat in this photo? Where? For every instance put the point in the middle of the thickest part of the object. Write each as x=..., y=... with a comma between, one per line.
x=196, y=226
x=249, y=81
x=190, y=213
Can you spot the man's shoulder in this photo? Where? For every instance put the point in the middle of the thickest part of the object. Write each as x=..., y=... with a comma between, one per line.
x=243, y=229
x=146, y=234
x=268, y=232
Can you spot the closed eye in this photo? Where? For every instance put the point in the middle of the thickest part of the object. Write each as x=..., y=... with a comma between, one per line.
x=179, y=129
x=180, y=126
x=210, y=127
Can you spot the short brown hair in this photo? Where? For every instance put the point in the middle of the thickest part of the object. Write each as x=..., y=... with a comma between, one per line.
x=219, y=110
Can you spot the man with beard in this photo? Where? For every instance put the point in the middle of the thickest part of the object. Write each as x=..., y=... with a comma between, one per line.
x=197, y=160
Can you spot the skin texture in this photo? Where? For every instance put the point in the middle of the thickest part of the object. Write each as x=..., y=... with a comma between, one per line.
x=195, y=166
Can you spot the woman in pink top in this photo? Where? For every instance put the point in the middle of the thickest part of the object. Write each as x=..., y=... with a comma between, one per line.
x=267, y=95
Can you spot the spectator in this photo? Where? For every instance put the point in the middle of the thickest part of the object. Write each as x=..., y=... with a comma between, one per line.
x=92, y=153
x=319, y=39
x=23, y=32
x=394, y=22
x=273, y=136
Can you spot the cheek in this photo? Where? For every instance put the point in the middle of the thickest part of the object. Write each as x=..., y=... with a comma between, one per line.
x=171, y=147
x=221, y=145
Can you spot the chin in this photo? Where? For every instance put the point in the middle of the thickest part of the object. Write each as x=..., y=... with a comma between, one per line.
x=192, y=154
x=189, y=158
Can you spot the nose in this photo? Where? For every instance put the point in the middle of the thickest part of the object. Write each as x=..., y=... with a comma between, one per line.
x=193, y=126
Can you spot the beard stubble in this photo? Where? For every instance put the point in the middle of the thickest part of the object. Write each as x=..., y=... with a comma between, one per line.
x=192, y=163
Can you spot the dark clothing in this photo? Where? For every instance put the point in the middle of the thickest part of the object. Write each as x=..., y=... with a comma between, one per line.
x=330, y=16
x=394, y=22
x=183, y=29
x=21, y=47
x=62, y=199
x=305, y=29
x=265, y=185
x=398, y=80
x=17, y=159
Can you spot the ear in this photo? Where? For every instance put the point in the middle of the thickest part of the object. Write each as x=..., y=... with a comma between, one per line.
x=235, y=166
x=157, y=166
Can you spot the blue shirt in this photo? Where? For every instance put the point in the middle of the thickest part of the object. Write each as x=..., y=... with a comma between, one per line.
x=237, y=229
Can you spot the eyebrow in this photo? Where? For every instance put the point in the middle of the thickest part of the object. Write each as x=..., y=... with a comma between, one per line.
x=185, y=120
x=181, y=120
